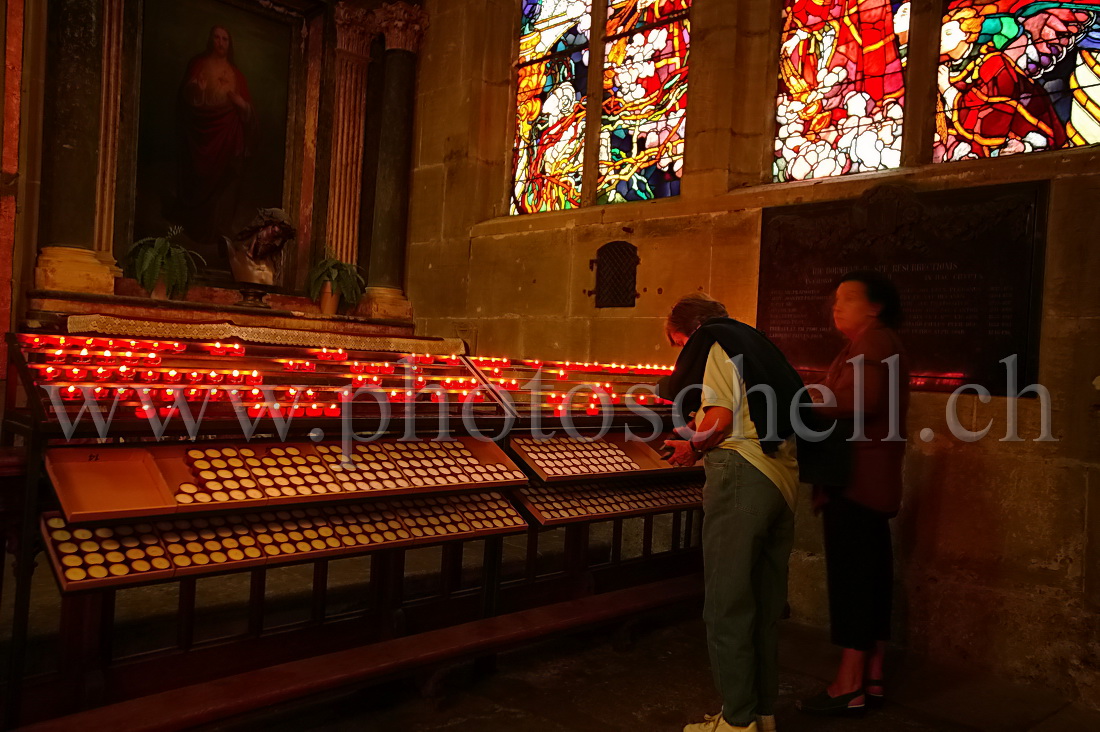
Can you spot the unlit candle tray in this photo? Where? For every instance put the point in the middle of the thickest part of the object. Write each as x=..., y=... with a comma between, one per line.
x=562, y=459
x=96, y=483
x=562, y=504
x=88, y=556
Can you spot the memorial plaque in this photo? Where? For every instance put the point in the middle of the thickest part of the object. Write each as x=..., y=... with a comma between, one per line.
x=968, y=264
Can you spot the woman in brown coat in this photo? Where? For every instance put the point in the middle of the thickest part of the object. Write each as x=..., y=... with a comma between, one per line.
x=869, y=381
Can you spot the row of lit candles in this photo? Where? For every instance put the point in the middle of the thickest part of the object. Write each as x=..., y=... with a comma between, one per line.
x=312, y=396
x=104, y=358
x=363, y=367
x=325, y=354
x=170, y=376
x=54, y=342
x=648, y=369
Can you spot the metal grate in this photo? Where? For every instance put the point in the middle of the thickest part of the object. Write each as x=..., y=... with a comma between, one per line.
x=616, y=265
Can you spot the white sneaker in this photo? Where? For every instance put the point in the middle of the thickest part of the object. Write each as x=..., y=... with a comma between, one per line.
x=717, y=723
x=765, y=723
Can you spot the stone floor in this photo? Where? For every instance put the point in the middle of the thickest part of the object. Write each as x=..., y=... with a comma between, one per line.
x=658, y=681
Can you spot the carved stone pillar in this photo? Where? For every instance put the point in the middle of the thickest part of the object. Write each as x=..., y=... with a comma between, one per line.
x=110, y=112
x=355, y=29
x=403, y=26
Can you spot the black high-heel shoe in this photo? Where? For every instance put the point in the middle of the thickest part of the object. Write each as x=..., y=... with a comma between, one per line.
x=845, y=705
x=874, y=701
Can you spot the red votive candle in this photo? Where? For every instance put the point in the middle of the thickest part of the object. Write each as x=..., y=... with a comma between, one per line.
x=314, y=410
x=106, y=359
x=76, y=374
x=83, y=357
x=236, y=377
x=57, y=356
x=129, y=357
x=103, y=374
x=125, y=373
x=150, y=376
x=49, y=373
x=215, y=378
x=253, y=378
x=332, y=410
x=151, y=359
x=173, y=377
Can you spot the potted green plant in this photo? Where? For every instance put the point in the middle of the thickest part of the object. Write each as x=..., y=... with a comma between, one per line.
x=163, y=267
x=332, y=281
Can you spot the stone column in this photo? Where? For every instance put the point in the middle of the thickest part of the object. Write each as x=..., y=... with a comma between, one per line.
x=355, y=29
x=71, y=155
x=110, y=113
x=403, y=26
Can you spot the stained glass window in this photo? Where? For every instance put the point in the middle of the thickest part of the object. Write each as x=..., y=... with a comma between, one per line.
x=644, y=82
x=550, y=105
x=1017, y=76
x=841, y=87
x=644, y=100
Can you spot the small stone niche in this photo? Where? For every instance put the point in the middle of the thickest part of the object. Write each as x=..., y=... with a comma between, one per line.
x=616, y=266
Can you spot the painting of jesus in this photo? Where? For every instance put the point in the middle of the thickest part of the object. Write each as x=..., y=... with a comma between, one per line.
x=212, y=121
x=217, y=125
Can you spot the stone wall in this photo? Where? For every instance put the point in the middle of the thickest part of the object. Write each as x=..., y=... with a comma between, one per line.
x=998, y=550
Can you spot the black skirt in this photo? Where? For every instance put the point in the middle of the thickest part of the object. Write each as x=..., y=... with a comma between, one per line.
x=859, y=561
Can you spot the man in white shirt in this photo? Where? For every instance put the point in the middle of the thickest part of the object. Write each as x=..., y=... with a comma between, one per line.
x=748, y=502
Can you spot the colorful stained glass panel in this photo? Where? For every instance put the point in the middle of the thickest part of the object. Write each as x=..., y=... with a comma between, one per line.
x=841, y=87
x=644, y=110
x=549, y=146
x=553, y=26
x=1017, y=76
x=628, y=15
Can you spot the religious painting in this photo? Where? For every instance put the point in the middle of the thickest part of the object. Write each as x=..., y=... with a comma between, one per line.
x=841, y=96
x=212, y=128
x=645, y=100
x=1017, y=76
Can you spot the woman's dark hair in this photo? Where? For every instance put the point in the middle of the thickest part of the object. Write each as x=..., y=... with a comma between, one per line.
x=881, y=291
x=691, y=311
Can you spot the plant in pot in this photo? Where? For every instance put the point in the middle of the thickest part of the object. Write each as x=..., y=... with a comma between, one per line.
x=332, y=282
x=163, y=267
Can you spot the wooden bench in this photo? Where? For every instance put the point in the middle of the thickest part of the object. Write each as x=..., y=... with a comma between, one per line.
x=227, y=697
